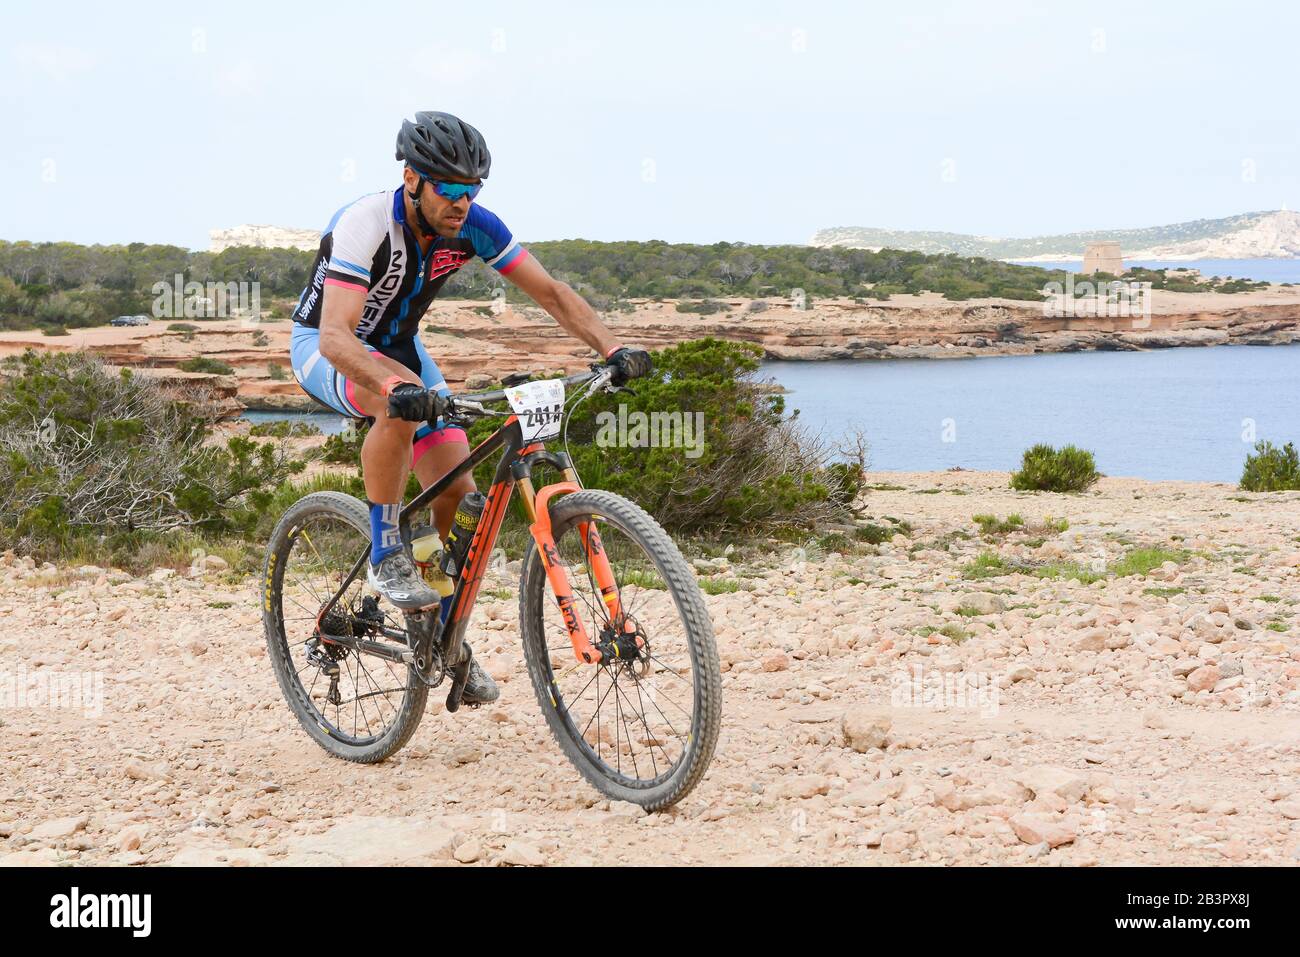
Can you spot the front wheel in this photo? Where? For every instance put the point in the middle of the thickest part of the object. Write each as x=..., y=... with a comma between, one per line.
x=642, y=727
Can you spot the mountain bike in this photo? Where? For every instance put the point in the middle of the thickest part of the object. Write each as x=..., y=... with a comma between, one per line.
x=622, y=660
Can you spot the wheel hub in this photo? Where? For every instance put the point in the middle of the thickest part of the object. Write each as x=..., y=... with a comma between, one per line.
x=629, y=647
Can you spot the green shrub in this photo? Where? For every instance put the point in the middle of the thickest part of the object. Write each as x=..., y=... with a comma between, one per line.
x=1043, y=468
x=719, y=586
x=985, y=565
x=276, y=371
x=86, y=452
x=290, y=491
x=756, y=467
x=874, y=534
x=206, y=364
x=344, y=448
x=992, y=525
x=283, y=429
x=1270, y=469
x=182, y=327
x=55, y=331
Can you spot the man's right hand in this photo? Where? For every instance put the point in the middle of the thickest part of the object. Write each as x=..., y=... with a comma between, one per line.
x=414, y=403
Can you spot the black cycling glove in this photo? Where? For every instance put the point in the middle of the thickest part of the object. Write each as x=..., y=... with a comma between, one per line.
x=415, y=403
x=630, y=364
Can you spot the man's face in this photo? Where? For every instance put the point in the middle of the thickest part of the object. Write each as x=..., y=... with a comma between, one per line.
x=445, y=216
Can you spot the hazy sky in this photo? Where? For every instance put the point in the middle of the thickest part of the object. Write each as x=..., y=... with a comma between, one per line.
x=694, y=122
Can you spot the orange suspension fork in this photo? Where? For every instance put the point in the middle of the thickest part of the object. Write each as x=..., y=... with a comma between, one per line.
x=557, y=573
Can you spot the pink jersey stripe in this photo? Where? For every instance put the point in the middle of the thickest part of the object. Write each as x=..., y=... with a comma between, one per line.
x=346, y=285
x=514, y=261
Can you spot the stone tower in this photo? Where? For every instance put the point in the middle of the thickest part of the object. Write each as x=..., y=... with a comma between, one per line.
x=1103, y=257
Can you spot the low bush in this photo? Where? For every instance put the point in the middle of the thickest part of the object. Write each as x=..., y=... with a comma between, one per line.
x=1270, y=469
x=1067, y=469
x=992, y=525
x=88, y=452
x=206, y=364
x=283, y=429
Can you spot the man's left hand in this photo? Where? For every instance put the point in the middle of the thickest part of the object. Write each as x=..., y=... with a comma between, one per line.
x=629, y=364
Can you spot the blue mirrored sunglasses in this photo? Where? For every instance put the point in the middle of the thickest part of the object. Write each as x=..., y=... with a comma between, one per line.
x=454, y=191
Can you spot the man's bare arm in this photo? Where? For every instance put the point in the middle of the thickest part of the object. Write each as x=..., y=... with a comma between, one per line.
x=571, y=311
x=340, y=316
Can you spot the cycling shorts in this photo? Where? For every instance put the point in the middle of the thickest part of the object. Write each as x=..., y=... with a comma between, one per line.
x=320, y=380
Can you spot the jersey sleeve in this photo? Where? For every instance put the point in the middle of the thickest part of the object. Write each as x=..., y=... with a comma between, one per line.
x=356, y=237
x=493, y=242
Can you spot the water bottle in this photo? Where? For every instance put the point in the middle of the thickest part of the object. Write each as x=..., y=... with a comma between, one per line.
x=426, y=549
x=468, y=513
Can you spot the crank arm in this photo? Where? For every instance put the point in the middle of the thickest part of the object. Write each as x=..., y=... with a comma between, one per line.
x=460, y=675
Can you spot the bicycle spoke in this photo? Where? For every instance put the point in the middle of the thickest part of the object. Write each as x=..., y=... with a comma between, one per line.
x=643, y=714
x=364, y=699
x=651, y=737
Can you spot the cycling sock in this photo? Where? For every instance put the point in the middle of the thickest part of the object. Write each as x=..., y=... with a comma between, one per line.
x=385, y=537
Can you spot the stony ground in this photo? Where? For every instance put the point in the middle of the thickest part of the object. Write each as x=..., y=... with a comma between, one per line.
x=882, y=706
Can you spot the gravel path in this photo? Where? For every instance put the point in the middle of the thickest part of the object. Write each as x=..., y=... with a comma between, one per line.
x=881, y=707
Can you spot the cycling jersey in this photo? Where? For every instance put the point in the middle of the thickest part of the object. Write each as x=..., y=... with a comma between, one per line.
x=369, y=246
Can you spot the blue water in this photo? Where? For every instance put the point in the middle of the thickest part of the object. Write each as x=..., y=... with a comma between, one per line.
x=1170, y=414
x=327, y=422
x=1260, y=270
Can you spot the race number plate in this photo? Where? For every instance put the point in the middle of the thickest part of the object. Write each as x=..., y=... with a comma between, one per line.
x=540, y=407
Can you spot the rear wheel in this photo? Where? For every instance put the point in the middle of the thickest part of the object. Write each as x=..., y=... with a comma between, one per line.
x=360, y=707
x=640, y=726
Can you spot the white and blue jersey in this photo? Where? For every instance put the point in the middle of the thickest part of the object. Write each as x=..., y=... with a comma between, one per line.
x=369, y=246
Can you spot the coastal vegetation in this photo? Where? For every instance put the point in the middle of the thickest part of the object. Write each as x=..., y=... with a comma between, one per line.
x=1047, y=469
x=208, y=365
x=1138, y=561
x=97, y=461
x=60, y=286
x=118, y=466
x=1271, y=469
x=757, y=468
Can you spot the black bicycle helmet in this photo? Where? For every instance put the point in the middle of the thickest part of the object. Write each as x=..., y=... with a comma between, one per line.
x=442, y=146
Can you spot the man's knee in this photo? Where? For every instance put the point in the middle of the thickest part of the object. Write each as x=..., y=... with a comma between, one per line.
x=389, y=426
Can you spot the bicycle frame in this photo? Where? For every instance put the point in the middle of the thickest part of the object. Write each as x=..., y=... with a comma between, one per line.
x=514, y=468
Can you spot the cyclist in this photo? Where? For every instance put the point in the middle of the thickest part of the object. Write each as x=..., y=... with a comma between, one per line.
x=356, y=347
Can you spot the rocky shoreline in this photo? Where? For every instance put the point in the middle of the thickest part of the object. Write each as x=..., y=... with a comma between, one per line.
x=476, y=343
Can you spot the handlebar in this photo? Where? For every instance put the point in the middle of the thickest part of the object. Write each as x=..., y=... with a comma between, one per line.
x=471, y=402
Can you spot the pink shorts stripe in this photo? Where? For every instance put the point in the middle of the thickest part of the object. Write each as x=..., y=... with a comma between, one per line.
x=449, y=434
x=345, y=285
x=349, y=392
